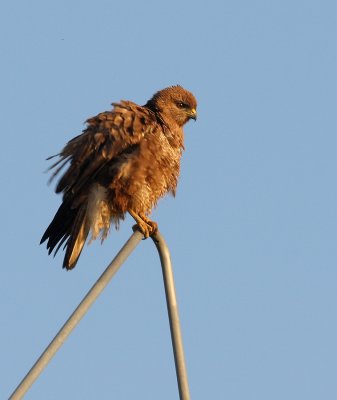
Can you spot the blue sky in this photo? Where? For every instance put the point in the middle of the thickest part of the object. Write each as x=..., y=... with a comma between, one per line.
x=252, y=230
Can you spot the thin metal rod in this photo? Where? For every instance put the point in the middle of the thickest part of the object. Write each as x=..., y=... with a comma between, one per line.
x=76, y=316
x=172, y=308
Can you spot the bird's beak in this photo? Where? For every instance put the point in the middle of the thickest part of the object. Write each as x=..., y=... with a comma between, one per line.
x=193, y=114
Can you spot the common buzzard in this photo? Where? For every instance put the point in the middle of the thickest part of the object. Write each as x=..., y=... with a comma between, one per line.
x=124, y=161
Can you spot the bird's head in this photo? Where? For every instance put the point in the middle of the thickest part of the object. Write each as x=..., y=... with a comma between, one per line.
x=175, y=104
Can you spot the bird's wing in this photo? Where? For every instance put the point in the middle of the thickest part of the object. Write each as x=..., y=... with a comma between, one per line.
x=108, y=135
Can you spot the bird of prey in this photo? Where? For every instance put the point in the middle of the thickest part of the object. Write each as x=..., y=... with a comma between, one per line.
x=123, y=162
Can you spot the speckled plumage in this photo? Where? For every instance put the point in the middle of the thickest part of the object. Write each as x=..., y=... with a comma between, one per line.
x=124, y=161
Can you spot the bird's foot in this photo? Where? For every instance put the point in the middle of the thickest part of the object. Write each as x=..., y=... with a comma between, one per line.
x=144, y=224
x=151, y=224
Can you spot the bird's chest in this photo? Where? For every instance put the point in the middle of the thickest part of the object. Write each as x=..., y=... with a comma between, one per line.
x=149, y=172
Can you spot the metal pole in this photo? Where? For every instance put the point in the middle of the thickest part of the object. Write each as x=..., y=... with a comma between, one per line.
x=172, y=308
x=76, y=316
x=92, y=295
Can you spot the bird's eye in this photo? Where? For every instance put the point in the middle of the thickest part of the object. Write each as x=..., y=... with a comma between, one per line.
x=180, y=104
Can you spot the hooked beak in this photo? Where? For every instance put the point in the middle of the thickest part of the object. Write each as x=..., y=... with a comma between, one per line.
x=193, y=114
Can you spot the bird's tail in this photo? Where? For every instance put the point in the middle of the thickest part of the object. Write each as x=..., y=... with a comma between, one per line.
x=70, y=226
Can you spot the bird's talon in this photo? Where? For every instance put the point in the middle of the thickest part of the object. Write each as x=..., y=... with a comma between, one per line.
x=143, y=229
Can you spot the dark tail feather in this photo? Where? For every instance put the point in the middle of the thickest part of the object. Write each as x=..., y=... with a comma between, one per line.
x=70, y=226
x=59, y=228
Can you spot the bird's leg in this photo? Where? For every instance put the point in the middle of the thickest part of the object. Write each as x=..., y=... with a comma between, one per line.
x=146, y=226
x=152, y=224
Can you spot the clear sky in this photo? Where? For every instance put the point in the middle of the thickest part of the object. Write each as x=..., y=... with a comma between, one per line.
x=252, y=230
